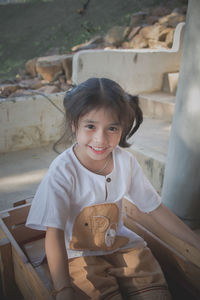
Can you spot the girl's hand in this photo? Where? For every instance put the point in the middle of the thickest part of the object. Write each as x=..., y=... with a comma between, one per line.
x=66, y=294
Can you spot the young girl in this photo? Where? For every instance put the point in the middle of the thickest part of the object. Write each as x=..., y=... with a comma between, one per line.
x=90, y=253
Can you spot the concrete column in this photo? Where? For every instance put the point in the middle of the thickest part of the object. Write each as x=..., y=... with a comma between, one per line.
x=181, y=189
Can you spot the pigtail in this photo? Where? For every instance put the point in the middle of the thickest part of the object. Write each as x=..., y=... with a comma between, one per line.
x=135, y=119
x=134, y=103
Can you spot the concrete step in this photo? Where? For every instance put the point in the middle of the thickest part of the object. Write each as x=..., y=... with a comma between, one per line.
x=150, y=145
x=170, y=82
x=158, y=105
x=22, y=171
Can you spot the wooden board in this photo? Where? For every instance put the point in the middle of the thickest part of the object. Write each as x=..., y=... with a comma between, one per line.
x=177, y=258
x=15, y=219
x=189, y=252
x=26, y=277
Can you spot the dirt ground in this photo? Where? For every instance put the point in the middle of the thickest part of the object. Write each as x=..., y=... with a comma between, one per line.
x=43, y=27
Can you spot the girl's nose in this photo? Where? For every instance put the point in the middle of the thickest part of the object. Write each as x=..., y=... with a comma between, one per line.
x=99, y=136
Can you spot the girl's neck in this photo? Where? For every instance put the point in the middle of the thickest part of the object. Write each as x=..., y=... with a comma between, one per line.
x=101, y=167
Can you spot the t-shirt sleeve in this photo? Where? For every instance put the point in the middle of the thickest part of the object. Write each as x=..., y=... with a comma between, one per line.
x=51, y=204
x=140, y=190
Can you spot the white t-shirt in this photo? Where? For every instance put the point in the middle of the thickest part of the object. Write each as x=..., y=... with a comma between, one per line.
x=80, y=202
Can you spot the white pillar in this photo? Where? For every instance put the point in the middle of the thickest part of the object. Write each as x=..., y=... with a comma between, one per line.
x=181, y=189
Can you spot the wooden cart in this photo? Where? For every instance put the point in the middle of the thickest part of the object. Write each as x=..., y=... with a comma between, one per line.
x=25, y=273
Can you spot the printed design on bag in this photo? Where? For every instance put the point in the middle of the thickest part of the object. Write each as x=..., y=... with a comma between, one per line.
x=95, y=228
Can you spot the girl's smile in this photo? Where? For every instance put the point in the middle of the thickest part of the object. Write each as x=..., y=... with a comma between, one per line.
x=98, y=133
x=98, y=150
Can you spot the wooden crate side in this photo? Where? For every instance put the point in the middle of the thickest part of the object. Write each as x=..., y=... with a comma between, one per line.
x=191, y=253
x=28, y=281
x=171, y=261
x=5, y=233
x=15, y=219
x=26, y=278
x=9, y=287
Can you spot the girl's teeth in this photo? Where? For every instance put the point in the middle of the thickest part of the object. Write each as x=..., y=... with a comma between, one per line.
x=98, y=149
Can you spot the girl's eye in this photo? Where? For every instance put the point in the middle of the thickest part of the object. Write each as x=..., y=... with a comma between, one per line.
x=113, y=129
x=90, y=126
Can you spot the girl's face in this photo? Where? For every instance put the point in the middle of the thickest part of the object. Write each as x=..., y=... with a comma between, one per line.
x=98, y=133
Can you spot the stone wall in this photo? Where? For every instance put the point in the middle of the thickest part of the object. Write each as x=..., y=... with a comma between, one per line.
x=30, y=121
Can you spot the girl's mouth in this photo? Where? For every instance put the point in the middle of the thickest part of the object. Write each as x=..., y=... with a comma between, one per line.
x=98, y=150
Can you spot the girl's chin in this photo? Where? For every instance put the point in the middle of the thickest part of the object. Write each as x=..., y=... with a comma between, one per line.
x=98, y=152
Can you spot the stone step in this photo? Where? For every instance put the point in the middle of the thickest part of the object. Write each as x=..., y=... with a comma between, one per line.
x=170, y=82
x=150, y=145
x=22, y=171
x=158, y=105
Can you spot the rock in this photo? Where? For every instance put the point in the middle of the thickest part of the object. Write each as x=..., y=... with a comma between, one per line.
x=133, y=32
x=150, y=20
x=163, y=34
x=48, y=89
x=138, y=42
x=115, y=35
x=31, y=84
x=154, y=44
x=67, y=66
x=50, y=67
x=152, y=32
x=137, y=18
x=172, y=19
x=84, y=47
x=127, y=31
x=22, y=92
x=109, y=47
x=125, y=45
x=95, y=42
x=31, y=67
x=7, y=89
x=170, y=38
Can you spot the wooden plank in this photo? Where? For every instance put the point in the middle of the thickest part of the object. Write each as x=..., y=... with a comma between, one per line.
x=15, y=219
x=188, y=251
x=6, y=266
x=4, y=232
x=18, y=214
x=28, y=281
x=9, y=287
x=35, y=251
x=171, y=261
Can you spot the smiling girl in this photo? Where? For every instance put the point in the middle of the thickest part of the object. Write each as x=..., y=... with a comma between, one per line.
x=91, y=254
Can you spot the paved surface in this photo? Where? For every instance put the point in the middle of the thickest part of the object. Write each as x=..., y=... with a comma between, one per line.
x=22, y=171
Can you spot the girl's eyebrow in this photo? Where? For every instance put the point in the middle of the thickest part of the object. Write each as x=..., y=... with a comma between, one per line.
x=89, y=121
x=94, y=122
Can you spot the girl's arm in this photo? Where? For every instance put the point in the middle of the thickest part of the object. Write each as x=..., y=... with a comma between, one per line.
x=58, y=262
x=175, y=226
